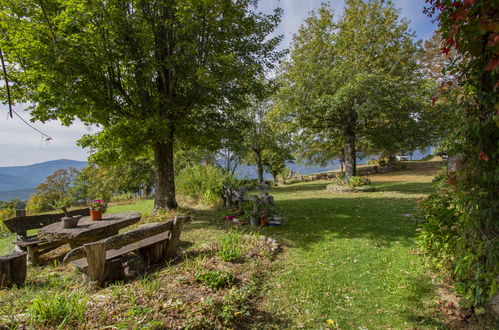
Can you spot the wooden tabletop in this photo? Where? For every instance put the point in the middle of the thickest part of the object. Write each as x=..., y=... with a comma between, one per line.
x=89, y=230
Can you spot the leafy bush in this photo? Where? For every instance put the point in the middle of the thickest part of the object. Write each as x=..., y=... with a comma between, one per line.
x=122, y=197
x=359, y=181
x=204, y=183
x=5, y=214
x=215, y=279
x=235, y=304
x=454, y=246
x=231, y=247
x=58, y=310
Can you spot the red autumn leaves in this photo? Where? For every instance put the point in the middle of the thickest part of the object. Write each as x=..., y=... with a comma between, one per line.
x=460, y=17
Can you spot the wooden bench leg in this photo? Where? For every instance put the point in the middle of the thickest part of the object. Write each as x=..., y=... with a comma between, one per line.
x=32, y=256
x=178, y=224
x=96, y=258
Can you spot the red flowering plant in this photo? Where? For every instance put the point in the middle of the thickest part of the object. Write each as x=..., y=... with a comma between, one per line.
x=97, y=205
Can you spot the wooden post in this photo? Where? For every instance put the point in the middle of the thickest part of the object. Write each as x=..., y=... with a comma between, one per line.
x=255, y=204
x=240, y=202
x=18, y=267
x=32, y=255
x=96, y=258
x=20, y=213
x=178, y=224
x=5, y=278
x=13, y=269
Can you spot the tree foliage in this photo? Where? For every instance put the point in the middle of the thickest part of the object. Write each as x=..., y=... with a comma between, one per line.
x=56, y=189
x=265, y=144
x=354, y=79
x=468, y=201
x=149, y=73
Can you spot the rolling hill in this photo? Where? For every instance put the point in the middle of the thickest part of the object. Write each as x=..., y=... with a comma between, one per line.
x=20, y=181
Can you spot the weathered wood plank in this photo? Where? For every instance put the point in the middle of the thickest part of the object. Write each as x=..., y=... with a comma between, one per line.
x=113, y=242
x=178, y=225
x=24, y=223
x=113, y=253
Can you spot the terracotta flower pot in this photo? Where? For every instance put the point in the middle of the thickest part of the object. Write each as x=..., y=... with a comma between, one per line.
x=95, y=215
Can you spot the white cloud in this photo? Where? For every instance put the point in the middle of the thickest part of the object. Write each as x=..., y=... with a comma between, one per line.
x=21, y=145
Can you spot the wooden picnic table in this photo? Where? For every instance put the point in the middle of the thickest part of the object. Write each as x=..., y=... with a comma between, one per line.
x=88, y=230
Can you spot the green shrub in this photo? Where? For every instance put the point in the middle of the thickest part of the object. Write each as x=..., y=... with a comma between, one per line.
x=122, y=197
x=4, y=215
x=454, y=246
x=36, y=205
x=359, y=181
x=235, y=304
x=231, y=247
x=204, y=183
x=59, y=310
x=215, y=279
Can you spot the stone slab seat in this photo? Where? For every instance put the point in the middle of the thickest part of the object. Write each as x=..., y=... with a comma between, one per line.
x=32, y=244
x=110, y=259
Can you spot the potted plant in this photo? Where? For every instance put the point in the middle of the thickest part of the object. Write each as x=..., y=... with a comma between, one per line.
x=67, y=221
x=97, y=208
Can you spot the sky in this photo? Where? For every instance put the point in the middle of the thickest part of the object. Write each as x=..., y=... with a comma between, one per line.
x=21, y=145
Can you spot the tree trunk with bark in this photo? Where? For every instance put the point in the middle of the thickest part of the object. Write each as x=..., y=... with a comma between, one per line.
x=259, y=165
x=350, y=160
x=390, y=165
x=164, y=197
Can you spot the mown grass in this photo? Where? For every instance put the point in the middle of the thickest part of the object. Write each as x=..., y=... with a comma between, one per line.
x=350, y=257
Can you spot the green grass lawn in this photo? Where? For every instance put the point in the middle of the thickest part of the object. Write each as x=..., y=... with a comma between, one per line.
x=349, y=259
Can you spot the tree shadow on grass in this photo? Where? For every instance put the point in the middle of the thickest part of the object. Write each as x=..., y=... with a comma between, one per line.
x=301, y=187
x=405, y=187
x=422, y=312
x=378, y=219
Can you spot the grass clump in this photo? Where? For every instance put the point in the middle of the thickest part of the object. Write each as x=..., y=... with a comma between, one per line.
x=235, y=304
x=215, y=279
x=58, y=310
x=231, y=247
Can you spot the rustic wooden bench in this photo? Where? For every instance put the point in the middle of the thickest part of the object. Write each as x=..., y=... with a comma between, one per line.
x=109, y=259
x=32, y=244
x=12, y=269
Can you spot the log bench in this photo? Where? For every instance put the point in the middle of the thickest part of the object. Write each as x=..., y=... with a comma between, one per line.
x=34, y=246
x=110, y=259
x=12, y=269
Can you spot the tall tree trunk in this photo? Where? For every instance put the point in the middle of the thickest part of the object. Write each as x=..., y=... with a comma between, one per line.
x=350, y=161
x=164, y=197
x=259, y=165
x=390, y=165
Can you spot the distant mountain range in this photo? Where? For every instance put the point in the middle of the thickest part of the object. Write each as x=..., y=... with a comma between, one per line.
x=21, y=181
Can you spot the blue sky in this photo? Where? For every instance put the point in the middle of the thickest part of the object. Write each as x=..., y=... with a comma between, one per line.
x=19, y=145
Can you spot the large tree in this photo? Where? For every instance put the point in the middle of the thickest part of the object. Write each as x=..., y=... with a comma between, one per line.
x=266, y=146
x=348, y=76
x=149, y=73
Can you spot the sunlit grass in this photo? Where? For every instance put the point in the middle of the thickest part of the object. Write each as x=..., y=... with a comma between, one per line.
x=350, y=257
